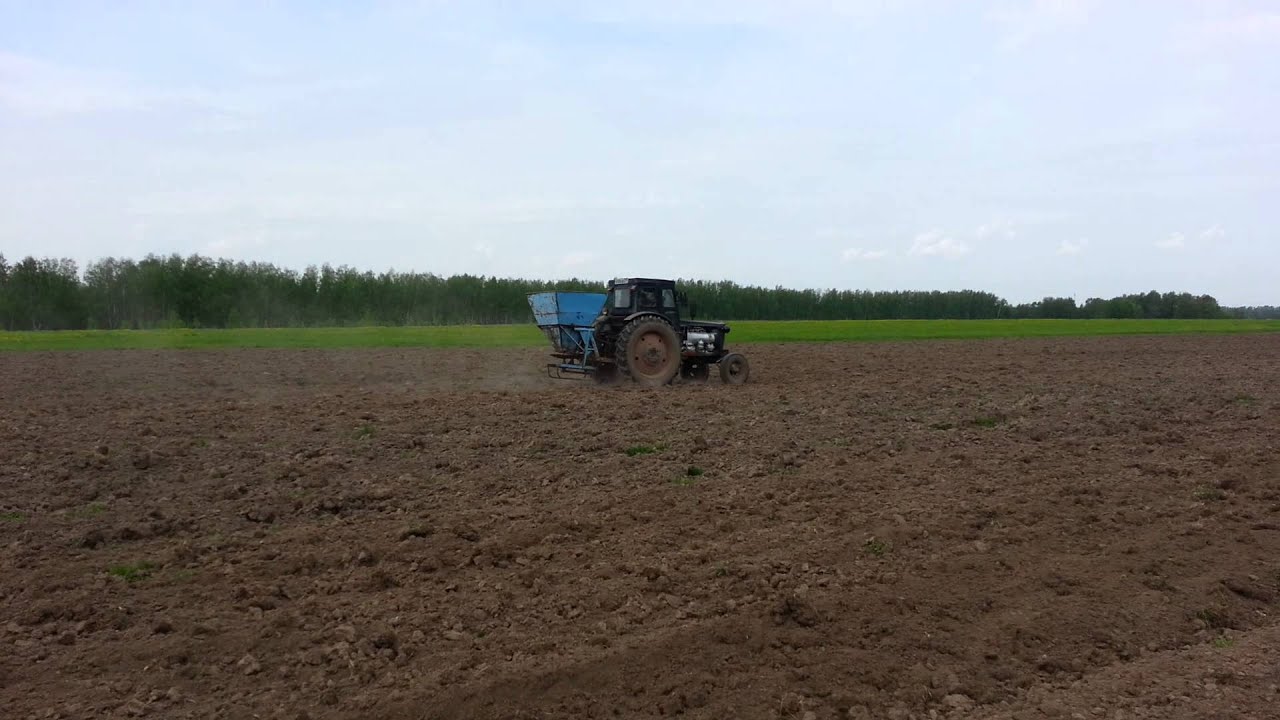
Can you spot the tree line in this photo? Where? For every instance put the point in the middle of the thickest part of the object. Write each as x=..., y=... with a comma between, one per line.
x=200, y=292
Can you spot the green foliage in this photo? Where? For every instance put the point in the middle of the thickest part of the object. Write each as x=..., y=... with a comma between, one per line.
x=198, y=292
x=1213, y=618
x=132, y=573
x=690, y=477
x=1152, y=305
x=12, y=517
x=90, y=510
x=475, y=336
x=364, y=432
x=41, y=295
x=1209, y=493
x=635, y=450
x=876, y=547
x=527, y=334
x=875, y=330
x=1223, y=642
x=1260, y=312
x=987, y=421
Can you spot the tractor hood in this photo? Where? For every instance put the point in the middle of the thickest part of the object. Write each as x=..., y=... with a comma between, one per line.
x=706, y=325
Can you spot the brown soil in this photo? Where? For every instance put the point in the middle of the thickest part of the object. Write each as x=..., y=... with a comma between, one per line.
x=1005, y=529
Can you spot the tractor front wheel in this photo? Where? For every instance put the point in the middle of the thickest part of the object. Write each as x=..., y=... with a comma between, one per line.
x=648, y=350
x=734, y=369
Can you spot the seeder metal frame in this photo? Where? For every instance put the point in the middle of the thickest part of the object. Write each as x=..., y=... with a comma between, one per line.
x=580, y=359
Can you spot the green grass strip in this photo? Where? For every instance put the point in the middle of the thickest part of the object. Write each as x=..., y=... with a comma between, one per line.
x=512, y=336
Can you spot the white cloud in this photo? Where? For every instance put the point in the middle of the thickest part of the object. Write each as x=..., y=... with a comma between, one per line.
x=1022, y=22
x=1213, y=233
x=485, y=250
x=1000, y=228
x=38, y=88
x=1069, y=247
x=33, y=87
x=853, y=254
x=1177, y=240
x=577, y=259
x=236, y=241
x=1226, y=34
x=935, y=243
x=745, y=13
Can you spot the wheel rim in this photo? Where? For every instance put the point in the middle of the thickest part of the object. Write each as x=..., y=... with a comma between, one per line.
x=651, y=356
x=734, y=370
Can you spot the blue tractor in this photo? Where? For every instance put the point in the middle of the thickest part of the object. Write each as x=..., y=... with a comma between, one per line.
x=634, y=331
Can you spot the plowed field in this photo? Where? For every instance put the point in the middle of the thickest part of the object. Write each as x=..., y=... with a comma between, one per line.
x=1030, y=528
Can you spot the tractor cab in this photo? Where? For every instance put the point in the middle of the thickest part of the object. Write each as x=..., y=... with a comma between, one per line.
x=628, y=296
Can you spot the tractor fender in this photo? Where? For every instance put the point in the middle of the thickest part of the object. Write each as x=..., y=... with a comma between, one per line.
x=646, y=313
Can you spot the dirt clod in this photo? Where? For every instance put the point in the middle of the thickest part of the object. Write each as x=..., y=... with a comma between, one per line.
x=260, y=515
x=249, y=665
x=1250, y=589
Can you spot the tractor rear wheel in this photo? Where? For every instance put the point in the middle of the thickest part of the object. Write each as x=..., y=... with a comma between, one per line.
x=734, y=369
x=648, y=350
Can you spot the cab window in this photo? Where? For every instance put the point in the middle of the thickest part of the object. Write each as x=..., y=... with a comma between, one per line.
x=668, y=299
x=646, y=298
x=622, y=298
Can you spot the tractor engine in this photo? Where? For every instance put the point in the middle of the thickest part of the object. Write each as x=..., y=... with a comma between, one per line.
x=702, y=341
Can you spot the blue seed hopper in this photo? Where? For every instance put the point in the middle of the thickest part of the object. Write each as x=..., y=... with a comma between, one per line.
x=566, y=318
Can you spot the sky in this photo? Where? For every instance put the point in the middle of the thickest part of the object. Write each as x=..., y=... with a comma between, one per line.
x=1033, y=148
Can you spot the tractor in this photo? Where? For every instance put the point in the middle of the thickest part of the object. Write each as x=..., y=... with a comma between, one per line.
x=635, y=331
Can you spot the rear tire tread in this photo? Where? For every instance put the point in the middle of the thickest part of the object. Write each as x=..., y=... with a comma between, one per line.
x=621, y=352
